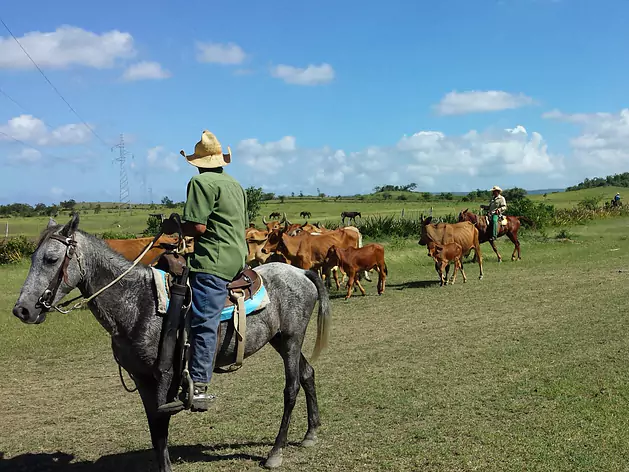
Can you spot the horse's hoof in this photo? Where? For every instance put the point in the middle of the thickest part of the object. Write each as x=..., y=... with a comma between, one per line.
x=309, y=441
x=274, y=461
x=480, y=277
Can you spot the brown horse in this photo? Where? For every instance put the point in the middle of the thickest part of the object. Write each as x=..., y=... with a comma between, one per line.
x=484, y=230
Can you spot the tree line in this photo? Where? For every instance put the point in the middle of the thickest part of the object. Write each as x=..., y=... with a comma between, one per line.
x=616, y=180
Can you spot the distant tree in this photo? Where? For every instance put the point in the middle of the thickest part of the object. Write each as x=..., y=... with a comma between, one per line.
x=412, y=186
x=514, y=194
x=402, y=197
x=68, y=204
x=97, y=209
x=282, y=198
x=254, y=202
x=386, y=195
x=426, y=196
x=168, y=203
x=448, y=196
x=301, y=194
x=292, y=194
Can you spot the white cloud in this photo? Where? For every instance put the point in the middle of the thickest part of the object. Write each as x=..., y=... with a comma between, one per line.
x=220, y=53
x=603, y=142
x=26, y=156
x=311, y=75
x=455, y=103
x=146, y=70
x=430, y=158
x=65, y=47
x=157, y=157
x=32, y=130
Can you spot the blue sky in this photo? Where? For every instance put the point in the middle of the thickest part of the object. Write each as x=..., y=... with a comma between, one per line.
x=341, y=96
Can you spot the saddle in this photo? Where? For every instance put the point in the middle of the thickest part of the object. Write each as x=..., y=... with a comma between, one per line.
x=502, y=220
x=243, y=287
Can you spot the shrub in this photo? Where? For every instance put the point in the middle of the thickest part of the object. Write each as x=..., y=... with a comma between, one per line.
x=153, y=226
x=591, y=203
x=12, y=250
x=564, y=234
x=118, y=235
x=540, y=213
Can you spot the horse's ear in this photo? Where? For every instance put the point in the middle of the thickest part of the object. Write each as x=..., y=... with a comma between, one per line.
x=71, y=226
x=51, y=223
x=428, y=220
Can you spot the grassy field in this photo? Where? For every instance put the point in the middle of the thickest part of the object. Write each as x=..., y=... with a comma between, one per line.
x=134, y=221
x=524, y=370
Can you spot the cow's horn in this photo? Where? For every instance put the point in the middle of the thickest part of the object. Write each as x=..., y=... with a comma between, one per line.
x=264, y=220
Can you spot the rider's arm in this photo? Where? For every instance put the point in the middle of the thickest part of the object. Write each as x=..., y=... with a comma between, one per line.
x=199, y=204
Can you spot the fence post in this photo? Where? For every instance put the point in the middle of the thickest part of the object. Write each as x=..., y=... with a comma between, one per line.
x=430, y=211
x=6, y=230
x=402, y=212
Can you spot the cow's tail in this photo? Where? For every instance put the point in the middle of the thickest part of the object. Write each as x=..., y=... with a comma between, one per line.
x=323, y=318
x=386, y=269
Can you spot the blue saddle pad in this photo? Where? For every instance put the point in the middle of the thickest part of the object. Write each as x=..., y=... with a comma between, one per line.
x=251, y=305
x=257, y=302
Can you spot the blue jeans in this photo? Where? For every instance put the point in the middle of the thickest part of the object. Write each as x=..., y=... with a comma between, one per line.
x=208, y=300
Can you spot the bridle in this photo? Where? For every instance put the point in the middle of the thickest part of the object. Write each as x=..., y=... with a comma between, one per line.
x=47, y=298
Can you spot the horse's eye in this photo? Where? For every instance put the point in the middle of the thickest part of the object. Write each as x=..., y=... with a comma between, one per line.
x=50, y=259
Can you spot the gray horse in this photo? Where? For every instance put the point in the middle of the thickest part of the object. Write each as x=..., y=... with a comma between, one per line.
x=70, y=258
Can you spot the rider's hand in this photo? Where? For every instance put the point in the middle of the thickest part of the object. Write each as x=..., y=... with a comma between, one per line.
x=170, y=226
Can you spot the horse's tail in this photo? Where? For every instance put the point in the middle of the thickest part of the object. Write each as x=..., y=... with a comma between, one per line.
x=323, y=318
x=527, y=220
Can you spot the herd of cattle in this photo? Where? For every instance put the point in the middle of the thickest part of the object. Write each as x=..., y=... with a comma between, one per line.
x=312, y=246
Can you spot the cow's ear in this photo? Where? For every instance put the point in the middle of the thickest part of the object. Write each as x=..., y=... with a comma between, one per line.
x=465, y=211
x=428, y=220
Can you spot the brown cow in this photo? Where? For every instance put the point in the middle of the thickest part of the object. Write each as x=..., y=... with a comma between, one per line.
x=275, y=224
x=465, y=234
x=352, y=260
x=256, y=239
x=131, y=248
x=307, y=251
x=443, y=255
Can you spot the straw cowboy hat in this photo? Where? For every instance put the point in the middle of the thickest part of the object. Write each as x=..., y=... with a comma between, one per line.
x=208, y=153
x=495, y=188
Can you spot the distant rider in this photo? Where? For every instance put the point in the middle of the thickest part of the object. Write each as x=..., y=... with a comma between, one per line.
x=497, y=206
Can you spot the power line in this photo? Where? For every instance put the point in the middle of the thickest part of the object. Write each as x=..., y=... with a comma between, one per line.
x=21, y=107
x=51, y=84
x=27, y=145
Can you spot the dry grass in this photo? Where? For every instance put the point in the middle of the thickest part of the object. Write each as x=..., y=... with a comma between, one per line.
x=525, y=370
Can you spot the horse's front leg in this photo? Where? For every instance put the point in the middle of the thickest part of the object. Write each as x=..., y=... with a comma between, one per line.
x=158, y=424
x=493, y=246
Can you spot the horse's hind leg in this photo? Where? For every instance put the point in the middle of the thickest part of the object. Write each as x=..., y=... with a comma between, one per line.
x=290, y=351
x=516, y=243
x=307, y=380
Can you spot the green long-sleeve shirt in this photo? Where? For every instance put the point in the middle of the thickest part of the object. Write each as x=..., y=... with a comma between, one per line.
x=216, y=199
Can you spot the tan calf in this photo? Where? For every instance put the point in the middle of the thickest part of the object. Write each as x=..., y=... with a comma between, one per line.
x=352, y=261
x=443, y=255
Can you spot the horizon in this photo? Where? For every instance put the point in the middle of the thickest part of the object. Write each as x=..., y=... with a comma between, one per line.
x=461, y=97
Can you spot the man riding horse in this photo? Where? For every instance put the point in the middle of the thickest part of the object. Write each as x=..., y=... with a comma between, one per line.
x=497, y=206
x=215, y=214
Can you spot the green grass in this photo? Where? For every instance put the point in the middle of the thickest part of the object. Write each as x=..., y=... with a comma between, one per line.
x=134, y=221
x=524, y=370
x=571, y=199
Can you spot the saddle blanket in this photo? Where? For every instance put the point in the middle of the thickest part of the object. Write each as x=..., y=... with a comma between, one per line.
x=502, y=220
x=161, y=280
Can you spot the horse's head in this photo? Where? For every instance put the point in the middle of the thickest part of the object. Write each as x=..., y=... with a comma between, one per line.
x=54, y=272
